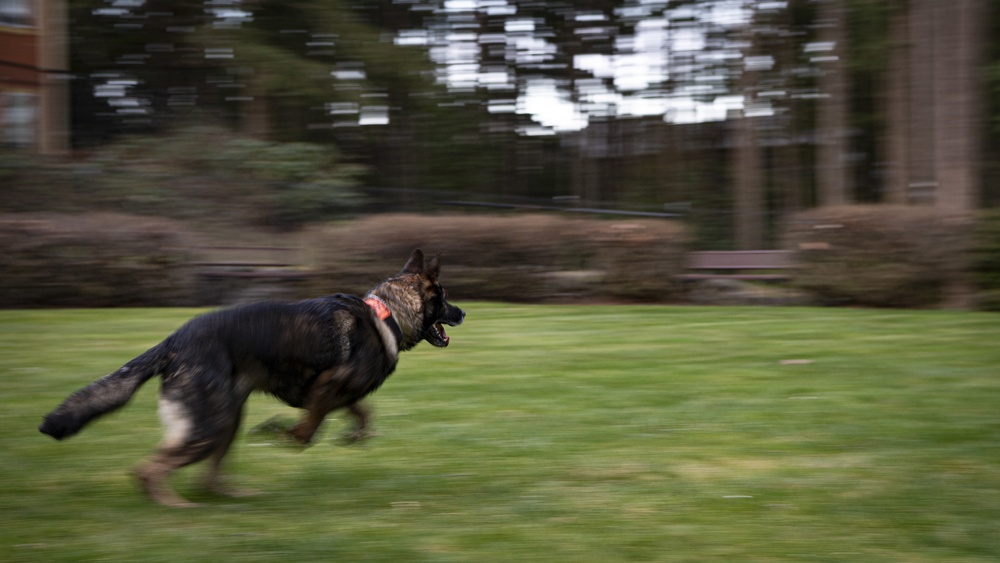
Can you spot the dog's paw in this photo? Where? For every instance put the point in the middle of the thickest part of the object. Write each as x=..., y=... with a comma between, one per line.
x=357, y=437
x=272, y=426
x=276, y=431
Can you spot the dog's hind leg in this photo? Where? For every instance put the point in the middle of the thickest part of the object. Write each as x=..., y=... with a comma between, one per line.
x=212, y=478
x=180, y=447
x=200, y=416
x=180, y=450
x=153, y=474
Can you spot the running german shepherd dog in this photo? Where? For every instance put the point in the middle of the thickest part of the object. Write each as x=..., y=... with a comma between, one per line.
x=320, y=355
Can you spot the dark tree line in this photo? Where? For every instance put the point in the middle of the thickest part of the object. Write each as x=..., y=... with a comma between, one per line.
x=722, y=110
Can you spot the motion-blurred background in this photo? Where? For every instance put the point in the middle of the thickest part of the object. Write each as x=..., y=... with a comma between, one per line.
x=202, y=152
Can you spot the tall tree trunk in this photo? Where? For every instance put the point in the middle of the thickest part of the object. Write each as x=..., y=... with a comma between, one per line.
x=833, y=181
x=748, y=185
x=922, y=181
x=958, y=43
x=786, y=170
x=748, y=163
x=897, y=105
x=255, y=117
x=53, y=57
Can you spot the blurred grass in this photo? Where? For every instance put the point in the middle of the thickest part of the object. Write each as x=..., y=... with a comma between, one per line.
x=549, y=433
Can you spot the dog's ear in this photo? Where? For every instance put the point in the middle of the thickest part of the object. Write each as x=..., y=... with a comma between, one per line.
x=415, y=265
x=433, y=269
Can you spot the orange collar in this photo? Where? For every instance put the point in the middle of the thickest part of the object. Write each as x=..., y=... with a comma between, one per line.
x=382, y=311
x=379, y=306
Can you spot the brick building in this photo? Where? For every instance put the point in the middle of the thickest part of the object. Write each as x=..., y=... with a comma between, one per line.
x=34, y=77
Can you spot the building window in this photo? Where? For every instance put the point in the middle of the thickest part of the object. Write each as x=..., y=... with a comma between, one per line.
x=17, y=13
x=18, y=119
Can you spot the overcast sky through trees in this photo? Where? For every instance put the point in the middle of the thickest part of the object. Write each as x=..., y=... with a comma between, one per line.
x=672, y=62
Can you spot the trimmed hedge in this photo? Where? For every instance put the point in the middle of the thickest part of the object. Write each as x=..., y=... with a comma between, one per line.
x=857, y=255
x=197, y=173
x=511, y=257
x=985, y=258
x=881, y=256
x=95, y=260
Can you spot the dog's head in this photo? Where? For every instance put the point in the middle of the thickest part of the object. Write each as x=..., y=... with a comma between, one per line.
x=419, y=303
x=435, y=309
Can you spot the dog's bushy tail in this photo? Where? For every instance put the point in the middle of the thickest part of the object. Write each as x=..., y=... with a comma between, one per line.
x=105, y=395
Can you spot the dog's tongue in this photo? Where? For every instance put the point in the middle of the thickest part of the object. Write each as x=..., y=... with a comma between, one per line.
x=440, y=329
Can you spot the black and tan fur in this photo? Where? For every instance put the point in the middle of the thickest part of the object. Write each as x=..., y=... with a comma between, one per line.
x=319, y=355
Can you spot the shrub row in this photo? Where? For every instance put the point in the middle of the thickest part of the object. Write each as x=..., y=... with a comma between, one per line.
x=199, y=173
x=100, y=260
x=985, y=260
x=882, y=256
x=516, y=258
x=858, y=255
x=96, y=260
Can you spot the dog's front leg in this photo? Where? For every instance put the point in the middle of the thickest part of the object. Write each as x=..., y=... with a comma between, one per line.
x=361, y=415
x=322, y=398
x=304, y=431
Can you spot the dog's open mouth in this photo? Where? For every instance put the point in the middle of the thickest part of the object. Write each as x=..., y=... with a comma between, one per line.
x=437, y=336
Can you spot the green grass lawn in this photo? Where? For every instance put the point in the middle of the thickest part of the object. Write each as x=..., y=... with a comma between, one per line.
x=549, y=433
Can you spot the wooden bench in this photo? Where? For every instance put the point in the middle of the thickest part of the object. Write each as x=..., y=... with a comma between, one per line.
x=263, y=262
x=236, y=274
x=751, y=265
